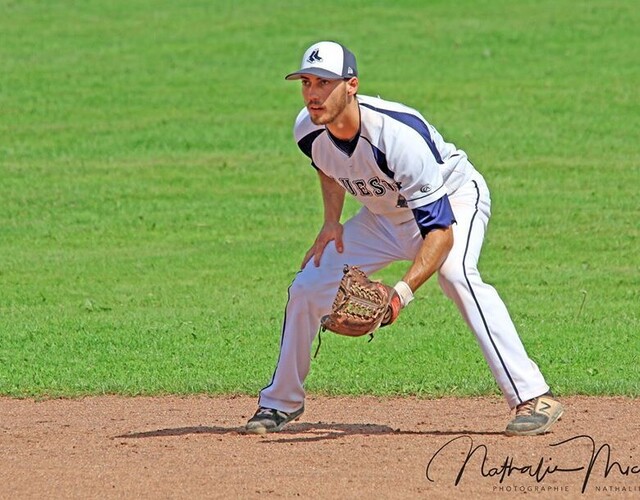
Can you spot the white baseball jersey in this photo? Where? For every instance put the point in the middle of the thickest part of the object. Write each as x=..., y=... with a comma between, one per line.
x=400, y=161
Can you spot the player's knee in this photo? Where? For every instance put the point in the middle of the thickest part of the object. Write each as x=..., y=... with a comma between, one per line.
x=316, y=284
x=306, y=285
x=300, y=287
x=456, y=277
x=450, y=272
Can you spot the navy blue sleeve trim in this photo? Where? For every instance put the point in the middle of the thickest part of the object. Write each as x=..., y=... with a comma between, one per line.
x=436, y=215
x=307, y=141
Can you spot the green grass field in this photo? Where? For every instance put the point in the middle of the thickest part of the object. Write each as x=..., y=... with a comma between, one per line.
x=154, y=207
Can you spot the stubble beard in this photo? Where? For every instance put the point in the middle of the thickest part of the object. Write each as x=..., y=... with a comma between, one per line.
x=333, y=109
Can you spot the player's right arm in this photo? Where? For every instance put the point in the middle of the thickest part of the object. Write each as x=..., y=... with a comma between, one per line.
x=333, y=195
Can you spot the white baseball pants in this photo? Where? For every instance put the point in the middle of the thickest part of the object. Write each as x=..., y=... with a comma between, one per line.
x=372, y=242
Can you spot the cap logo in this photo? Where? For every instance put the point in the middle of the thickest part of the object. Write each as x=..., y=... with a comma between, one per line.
x=314, y=57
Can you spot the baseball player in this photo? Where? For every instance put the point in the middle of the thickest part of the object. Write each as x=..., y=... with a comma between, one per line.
x=422, y=201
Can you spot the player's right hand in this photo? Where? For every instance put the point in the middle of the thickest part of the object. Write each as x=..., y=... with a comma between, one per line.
x=331, y=231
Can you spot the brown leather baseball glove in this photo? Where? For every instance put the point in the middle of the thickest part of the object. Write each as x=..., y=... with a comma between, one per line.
x=361, y=305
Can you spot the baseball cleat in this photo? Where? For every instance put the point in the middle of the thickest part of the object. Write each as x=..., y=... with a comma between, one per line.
x=270, y=420
x=535, y=416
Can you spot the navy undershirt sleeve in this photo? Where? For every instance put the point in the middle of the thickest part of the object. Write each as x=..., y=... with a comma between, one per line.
x=436, y=215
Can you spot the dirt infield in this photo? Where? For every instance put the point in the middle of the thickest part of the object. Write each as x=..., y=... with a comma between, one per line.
x=193, y=447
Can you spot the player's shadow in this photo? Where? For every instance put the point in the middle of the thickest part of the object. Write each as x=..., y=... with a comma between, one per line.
x=320, y=431
x=305, y=432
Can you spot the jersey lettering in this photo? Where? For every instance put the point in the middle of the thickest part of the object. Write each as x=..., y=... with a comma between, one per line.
x=347, y=185
x=361, y=184
x=371, y=187
x=378, y=188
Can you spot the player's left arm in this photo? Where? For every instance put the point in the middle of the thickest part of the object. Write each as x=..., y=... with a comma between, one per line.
x=434, y=221
x=432, y=253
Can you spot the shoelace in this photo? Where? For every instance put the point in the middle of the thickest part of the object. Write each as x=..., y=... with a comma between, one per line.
x=266, y=412
x=526, y=408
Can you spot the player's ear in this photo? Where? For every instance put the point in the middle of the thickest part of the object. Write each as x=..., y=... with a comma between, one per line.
x=352, y=86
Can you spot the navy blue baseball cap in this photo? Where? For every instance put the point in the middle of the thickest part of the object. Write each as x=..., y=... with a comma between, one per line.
x=329, y=60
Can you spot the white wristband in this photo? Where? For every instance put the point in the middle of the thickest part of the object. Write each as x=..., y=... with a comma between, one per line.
x=404, y=292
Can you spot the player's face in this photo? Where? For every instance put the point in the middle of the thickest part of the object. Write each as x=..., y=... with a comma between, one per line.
x=325, y=99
